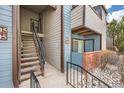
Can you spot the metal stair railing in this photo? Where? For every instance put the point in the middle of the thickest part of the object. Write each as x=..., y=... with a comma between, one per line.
x=34, y=83
x=78, y=77
x=38, y=43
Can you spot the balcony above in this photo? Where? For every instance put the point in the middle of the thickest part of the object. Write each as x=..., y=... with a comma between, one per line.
x=85, y=20
x=77, y=17
x=39, y=8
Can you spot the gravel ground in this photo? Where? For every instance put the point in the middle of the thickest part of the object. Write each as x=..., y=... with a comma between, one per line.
x=109, y=75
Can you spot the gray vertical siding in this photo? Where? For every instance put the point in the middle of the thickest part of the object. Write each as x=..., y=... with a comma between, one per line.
x=6, y=48
x=67, y=32
x=52, y=36
x=26, y=16
x=77, y=16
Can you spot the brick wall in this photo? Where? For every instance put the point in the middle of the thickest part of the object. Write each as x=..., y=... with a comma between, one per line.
x=91, y=60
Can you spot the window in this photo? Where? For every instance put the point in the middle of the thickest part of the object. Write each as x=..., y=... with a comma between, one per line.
x=77, y=46
x=89, y=45
x=73, y=6
x=98, y=11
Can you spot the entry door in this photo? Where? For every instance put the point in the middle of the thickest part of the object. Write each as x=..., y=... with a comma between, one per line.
x=88, y=45
x=77, y=49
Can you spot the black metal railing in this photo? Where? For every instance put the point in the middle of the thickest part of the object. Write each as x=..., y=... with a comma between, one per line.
x=34, y=83
x=78, y=77
x=35, y=27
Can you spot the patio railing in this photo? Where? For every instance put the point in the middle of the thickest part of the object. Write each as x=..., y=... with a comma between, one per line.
x=78, y=77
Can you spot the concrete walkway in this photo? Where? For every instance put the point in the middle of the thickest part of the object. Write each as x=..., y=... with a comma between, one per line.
x=53, y=79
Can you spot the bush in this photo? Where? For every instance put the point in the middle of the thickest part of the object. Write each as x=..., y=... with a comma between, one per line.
x=103, y=58
x=97, y=58
x=121, y=68
x=111, y=58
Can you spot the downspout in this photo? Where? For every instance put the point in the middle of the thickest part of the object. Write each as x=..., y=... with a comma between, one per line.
x=15, y=46
x=62, y=41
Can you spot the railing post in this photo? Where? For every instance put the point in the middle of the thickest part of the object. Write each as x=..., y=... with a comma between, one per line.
x=86, y=79
x=81, y=79
x=73, y=75
x=92, y=81
x=66, y=73
x=77, y=76
x=31, y=80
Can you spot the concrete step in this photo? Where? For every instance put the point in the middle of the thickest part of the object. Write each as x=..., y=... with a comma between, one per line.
x=27, y=42
x=29, y=59
x=28, y=51
x=27, y=39
x=29, y=35
x=29, y=55
x=29, y=69
x=29, y=63
x=27, y=76
x=28, y=47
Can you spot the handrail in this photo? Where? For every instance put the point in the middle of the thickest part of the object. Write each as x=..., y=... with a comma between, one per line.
x=38, y=43
x=34, y=83
x=80, y=71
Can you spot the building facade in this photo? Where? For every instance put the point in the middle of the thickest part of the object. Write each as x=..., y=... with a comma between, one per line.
x=65, y=31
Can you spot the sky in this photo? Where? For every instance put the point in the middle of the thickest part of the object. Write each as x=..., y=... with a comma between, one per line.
x=115, y=12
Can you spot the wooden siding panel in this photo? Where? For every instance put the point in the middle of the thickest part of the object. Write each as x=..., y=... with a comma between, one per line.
x=93, y=21
x=67, y=34
x=97, y=24
x=77, y=16
x=4, y=7
x=52, y=36
x=26, y=15
x=5, y=63
x=6, y=48
x=5, y=18
x=5, y=23
x=5, y=12
x=6, y=84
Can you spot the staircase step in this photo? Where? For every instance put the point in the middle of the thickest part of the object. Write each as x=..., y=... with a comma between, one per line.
x=28, y=48
x=27, y=76
x=28, y=69
x=27, y=42
x=28, y=51
x=29, y=59
x=27, y=35
x=29, y=55
x=26, y=39
x=29, y=63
